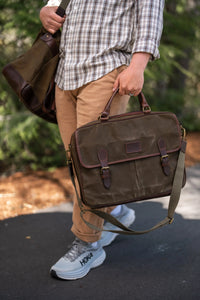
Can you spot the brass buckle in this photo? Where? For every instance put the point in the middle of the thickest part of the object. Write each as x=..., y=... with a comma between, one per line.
x=146, y=108
x=68, y=155
x=171, y=220
x=164, y=156
x=104, y=168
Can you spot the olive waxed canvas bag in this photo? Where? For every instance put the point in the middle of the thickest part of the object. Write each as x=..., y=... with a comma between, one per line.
x=32, y=74
x=126, y=158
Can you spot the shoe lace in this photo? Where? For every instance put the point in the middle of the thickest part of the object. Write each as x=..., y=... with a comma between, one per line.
x=76, y=249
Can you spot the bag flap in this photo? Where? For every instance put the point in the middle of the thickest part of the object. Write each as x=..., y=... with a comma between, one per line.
x=127, y=137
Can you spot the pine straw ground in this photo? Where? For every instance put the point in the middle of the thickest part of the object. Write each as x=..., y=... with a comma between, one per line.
x=25, y=193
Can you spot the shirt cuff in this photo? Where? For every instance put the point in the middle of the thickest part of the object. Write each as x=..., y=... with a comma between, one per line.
x=148, y=46
x=53, y=3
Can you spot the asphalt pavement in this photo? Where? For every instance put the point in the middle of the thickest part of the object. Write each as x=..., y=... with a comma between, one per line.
x=164, y=264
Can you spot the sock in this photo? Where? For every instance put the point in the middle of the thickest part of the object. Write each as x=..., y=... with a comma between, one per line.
x=116, y=211
x=94, y=244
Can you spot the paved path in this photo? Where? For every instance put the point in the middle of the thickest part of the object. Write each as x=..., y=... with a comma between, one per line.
x=164, y=264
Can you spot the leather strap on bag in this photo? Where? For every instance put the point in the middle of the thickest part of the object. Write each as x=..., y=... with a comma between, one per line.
x=144, y=106
x=62, y=7
x=173, y=202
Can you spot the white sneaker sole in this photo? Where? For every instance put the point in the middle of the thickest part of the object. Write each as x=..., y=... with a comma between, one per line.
x=77, y=274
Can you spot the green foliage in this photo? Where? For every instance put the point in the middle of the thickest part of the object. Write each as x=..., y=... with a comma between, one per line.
x=26, y=141
x=171, y=83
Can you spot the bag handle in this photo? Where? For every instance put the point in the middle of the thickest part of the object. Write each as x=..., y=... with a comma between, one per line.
x=144, y=106
x=173, y=202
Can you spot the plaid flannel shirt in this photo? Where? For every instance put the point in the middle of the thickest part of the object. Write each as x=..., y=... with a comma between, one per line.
x=101, y=35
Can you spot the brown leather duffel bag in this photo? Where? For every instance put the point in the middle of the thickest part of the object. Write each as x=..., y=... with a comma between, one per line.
x=129, y=157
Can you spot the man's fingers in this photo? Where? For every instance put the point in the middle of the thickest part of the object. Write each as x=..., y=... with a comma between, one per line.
x=50, y=30
x=54, y=24
x=129, y=83
x=50, y=20
x=58, y=18
x=134, y=92
x=116, y=84
x=137, y=92
x=122, y=91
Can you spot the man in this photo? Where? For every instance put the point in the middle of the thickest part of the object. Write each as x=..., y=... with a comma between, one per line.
x=105, y=45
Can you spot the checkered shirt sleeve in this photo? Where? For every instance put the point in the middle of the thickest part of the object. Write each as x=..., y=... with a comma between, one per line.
x=148, y=23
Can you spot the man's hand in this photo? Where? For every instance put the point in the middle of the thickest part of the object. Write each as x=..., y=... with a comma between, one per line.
x=131, y=80
x=50, y=20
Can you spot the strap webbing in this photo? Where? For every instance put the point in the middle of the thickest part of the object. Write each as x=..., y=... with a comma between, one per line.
x=173, y=202
x=64, y=4
x=62, y=7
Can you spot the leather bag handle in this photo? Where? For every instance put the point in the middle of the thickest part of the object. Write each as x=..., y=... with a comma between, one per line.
x=144, y=106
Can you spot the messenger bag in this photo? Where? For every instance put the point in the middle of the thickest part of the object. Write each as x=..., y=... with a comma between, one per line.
x=126, y=158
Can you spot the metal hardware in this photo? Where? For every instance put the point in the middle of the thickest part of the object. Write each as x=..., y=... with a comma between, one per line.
x=68, y=155
x=101, y=117
x=171, y=220
x=146, y=108
x=104, y=168
x=164, y=156
x=183, y=132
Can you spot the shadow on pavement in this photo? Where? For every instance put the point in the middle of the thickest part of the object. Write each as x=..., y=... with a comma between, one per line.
x=164, y=264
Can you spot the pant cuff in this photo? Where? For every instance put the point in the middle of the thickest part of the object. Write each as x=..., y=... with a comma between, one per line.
x=89, y=238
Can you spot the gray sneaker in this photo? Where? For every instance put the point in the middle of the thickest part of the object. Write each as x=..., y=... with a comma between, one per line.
x=126, y=217
x=77, y=262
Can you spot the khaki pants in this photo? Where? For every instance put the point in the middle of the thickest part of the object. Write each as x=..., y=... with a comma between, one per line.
x=76, y=108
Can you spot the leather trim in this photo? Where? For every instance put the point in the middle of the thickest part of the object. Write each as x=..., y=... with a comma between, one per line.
x=51, y=43
x=32, y=103
x=25, y=93
x=14, y=78
x=123, y=160
x=105, y=170
x=164, y=157
x=123, y=117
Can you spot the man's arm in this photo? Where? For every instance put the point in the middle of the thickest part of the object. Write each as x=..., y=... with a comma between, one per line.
x=50, y=20
x=148, y=29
